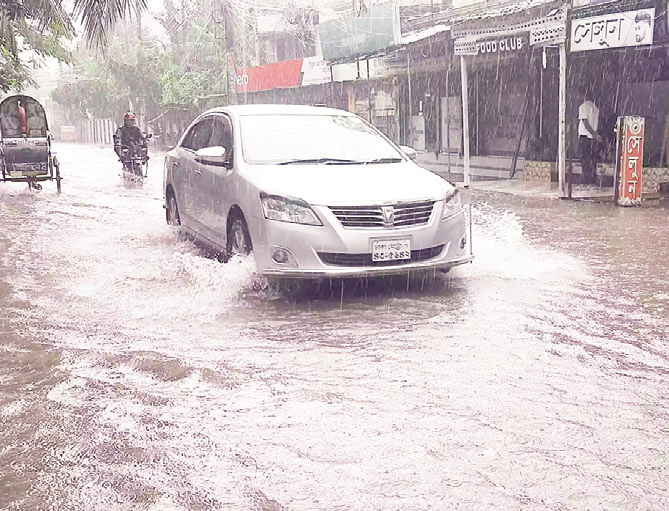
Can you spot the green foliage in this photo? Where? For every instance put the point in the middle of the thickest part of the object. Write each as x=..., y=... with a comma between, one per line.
x=41, y=28
x=11, y=72
x=181, y=90
x=130, y=72
x=98, y=16
x=196, y=72
x=105, y=85
x=32, y=29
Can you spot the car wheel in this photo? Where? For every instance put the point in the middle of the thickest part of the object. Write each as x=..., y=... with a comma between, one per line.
x=172, y=212
x=238, y=239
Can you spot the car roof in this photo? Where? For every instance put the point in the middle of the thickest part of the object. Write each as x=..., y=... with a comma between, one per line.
x=274, y=109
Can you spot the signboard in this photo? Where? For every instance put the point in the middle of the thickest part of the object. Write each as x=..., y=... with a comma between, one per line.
x=68, y=133
x=375, y=28
x=505, y=46
x=630, y=160
x=270, y=76
x=289, y=73
x=418, y=132
x=507, y=21
x=315, y=71
x=615, y=30
x=502, y=45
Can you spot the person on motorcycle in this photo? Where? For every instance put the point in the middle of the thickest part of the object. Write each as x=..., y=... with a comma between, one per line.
x=127, y=135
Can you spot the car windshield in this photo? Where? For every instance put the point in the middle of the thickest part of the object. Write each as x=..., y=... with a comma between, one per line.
x=330, y=139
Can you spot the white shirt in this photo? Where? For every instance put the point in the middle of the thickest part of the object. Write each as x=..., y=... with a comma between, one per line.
x=588, y=110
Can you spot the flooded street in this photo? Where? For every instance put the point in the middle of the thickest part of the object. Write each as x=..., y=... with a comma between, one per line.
x=136, y=373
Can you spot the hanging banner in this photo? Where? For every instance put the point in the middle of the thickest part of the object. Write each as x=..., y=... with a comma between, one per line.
x=630, y=159
x=615, y=30
x=286, y=74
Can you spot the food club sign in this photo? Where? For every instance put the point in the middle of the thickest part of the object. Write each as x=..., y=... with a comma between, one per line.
x=499, y=46
x=503, y=45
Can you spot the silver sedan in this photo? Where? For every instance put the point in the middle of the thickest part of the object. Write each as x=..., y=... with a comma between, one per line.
x=312, y=192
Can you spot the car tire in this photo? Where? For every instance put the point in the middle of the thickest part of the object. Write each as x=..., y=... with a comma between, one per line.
x=238, y=238
x=172, y=210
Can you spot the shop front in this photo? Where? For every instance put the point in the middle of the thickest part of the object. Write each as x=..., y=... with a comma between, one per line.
x=504, y=67
x=619, y=54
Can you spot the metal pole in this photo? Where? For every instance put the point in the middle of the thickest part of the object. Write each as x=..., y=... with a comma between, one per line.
x=332, y=90
x=448, y=120
x=465, y=118
x=369, y=95
x=541, y=94
x=410, y=123
x=562, y=152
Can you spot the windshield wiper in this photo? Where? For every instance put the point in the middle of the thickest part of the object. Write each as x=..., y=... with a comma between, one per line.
x=326, y=161
x=384, y=160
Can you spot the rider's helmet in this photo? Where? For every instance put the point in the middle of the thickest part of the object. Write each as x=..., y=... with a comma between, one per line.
x=129, y=119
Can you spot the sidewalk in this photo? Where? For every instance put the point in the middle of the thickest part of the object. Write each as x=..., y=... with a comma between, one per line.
x=494, y=174
x=546, y=190
x=518, y=186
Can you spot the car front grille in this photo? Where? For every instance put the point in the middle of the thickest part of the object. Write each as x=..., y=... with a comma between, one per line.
x=337, y=259
x=396, y=215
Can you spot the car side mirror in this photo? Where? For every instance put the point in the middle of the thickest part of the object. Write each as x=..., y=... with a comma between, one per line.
x=410, y=152
x=215, y=155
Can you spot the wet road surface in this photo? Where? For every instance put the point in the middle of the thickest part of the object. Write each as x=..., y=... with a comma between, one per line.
x=136, y=373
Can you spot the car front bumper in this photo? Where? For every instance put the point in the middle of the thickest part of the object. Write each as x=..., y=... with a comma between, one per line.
x=438, y=245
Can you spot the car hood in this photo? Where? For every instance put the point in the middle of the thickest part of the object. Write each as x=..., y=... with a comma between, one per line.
x=342, y=185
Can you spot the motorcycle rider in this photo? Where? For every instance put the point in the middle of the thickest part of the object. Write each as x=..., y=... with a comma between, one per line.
x=129, y=134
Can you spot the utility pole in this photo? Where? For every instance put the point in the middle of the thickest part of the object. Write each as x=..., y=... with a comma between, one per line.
x=562, y=113
x=465, y=119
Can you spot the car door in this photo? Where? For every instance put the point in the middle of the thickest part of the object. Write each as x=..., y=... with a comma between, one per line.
x=216, y=197
x=190, y=201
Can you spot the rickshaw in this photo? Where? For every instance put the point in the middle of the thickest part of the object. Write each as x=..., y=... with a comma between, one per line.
x=25, y=143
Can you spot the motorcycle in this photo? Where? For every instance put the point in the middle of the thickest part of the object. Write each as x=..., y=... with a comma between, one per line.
x=135, y=161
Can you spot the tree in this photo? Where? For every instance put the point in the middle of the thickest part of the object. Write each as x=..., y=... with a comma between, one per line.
x=33, y=29
x=98, y=16
x=170, y=85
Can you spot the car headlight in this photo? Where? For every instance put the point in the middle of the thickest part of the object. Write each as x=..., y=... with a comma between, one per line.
x=285, y=209
x=452, y=204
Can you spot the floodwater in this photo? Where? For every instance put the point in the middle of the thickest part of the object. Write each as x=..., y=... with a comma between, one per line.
x=136, y=373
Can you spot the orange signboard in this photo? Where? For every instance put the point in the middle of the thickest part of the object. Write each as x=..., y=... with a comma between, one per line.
x=68, y=133
x=630, y=154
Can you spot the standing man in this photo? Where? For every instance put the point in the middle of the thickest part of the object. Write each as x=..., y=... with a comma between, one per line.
x=588, y=138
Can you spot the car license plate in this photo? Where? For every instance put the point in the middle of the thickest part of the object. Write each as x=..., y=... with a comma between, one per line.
x=391, y=250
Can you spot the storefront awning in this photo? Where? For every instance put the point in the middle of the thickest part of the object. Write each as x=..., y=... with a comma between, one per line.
x=542, y=22
x=419, y=35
